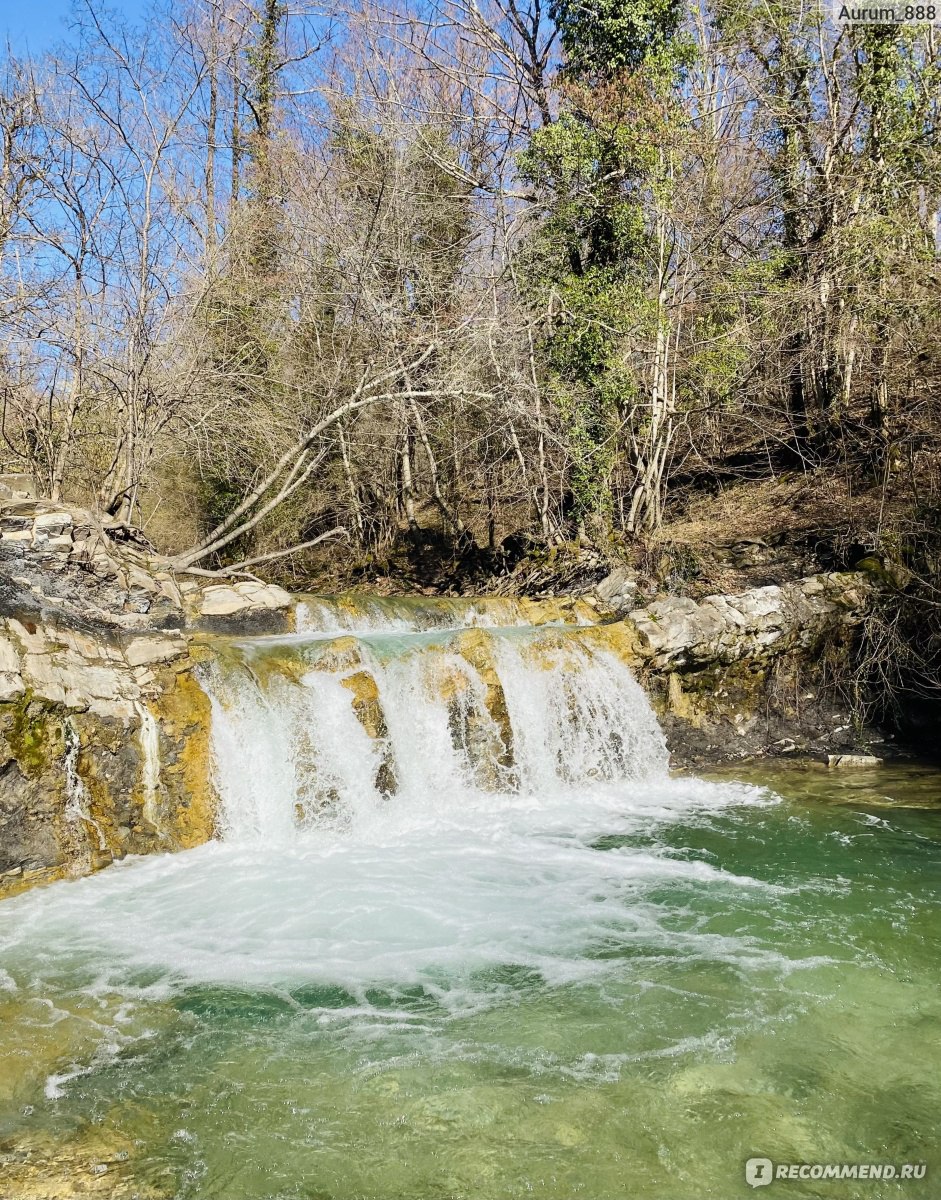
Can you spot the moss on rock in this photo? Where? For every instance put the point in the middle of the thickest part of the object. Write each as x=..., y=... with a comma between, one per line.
x=187, y=802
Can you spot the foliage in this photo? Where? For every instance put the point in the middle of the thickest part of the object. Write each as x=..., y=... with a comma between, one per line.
x=586, y=260
x=610, y=37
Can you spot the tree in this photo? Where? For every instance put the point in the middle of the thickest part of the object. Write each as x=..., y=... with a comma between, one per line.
x=601, y=258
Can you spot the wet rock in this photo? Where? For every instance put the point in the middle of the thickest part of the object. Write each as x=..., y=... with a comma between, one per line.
x=92, y=657
x=104, y=729
x=853, y=760
x=489, y=734
x=87, y=1164
x=749, y=674
x=368, y=709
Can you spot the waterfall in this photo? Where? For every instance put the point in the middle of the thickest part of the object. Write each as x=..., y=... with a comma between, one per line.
x=77, y=800
x=398, y=704
x=149, y=739
x=431, y=811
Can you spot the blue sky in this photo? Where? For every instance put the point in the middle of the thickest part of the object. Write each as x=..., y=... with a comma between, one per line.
x=37, y=25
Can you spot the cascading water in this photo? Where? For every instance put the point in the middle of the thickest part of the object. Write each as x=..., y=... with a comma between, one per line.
x=76, y=795
x=389, y=614
x=462, y=935
x=420, y=791
x=309, y=731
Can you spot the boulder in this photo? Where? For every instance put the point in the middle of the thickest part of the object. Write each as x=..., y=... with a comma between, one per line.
x=244, y=607
x=618, y=590
x=853, y=760
x=679, y=633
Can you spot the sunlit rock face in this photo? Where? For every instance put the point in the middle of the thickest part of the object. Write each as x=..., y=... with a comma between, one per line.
x=104, y=731
x=58, y=559
x=247, y=605
x=757, y=672
x=677, y=632
x=86, y=779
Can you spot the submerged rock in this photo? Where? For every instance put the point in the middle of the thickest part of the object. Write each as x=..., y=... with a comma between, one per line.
x=89, y=1163
x=853, y=760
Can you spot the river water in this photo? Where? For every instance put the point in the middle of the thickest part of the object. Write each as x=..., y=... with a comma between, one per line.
x=464, y=936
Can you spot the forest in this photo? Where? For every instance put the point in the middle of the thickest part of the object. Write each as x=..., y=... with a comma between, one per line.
x=424, y=289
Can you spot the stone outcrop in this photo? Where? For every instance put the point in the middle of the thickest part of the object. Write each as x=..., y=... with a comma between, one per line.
x=57, y=563
x=254, y=607
x=677, y=633
x=104, y=731
x=753, y=674
x=99, y=758
x=617, y=591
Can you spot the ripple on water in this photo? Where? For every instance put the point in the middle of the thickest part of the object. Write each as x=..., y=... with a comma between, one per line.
x=568, y=995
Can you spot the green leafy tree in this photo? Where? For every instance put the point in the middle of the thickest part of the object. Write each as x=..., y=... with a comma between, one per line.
x=592, y=262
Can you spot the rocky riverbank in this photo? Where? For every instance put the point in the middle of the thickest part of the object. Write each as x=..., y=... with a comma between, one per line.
x=756, y=673
x=104, y=728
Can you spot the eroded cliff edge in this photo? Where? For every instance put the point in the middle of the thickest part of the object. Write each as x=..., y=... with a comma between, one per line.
x=104, y=728
x=761, y=672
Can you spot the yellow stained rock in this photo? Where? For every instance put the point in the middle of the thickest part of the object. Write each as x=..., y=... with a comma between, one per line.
x=183, y=719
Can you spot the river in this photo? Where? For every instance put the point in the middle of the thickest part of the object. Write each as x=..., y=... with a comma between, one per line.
x=463, y=935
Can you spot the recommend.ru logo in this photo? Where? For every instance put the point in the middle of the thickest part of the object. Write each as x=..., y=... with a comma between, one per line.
x=759, y=1172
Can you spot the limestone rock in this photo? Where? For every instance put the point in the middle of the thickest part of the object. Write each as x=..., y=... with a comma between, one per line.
x=59, y=565
x=153, y=648
x=220, y=600
x=104, y=729
x=492, y=728
x=242, y=607
x=368, y=709
x=853, y=760
x=618, y=591
x=89, y=637
x=676, y=632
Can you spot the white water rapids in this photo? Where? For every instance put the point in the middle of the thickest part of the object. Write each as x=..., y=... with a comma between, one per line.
x=574, y=717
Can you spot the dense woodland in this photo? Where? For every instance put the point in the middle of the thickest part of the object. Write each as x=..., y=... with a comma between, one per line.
x=310, y=289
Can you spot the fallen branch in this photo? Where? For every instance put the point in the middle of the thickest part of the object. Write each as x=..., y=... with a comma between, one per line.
x=229, y=529
x=239, y=568
x=253, y=562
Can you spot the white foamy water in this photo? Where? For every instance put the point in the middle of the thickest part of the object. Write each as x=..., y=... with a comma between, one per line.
x=519, y=712
x=449, y=827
